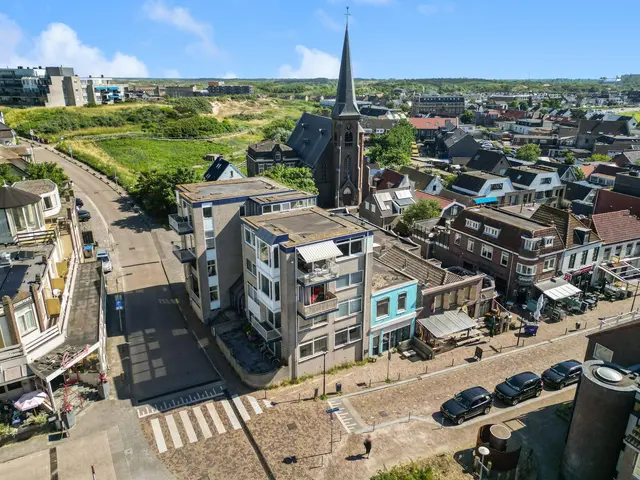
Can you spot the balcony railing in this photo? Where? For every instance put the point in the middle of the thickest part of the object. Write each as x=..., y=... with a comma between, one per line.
x=318, y=275
x=265, y=330
x=185, y=255
x=180, y=225
x=329, y=304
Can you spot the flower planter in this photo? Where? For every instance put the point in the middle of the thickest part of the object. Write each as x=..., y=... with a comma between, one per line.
x=103, y=390
x=69, y=419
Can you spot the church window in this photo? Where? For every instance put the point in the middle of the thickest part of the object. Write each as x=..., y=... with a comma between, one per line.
x=348, y=139
x=347, y=166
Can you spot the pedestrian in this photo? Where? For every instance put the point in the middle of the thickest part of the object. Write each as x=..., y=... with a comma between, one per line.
x=367, y=446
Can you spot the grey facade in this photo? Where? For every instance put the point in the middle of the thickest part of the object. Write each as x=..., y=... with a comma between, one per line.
x=438, y=104
x=217, y=90
x=40, y=87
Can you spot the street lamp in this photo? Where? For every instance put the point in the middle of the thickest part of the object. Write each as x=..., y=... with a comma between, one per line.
x=483, y=451
x=324, y=374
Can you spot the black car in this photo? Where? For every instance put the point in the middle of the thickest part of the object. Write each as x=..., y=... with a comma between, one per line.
x=562, y=374
x=83, y=215
x=466, y=404
x=79, y=202
x=519, y=387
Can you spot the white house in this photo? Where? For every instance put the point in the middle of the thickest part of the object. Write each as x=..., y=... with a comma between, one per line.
x=482, y=184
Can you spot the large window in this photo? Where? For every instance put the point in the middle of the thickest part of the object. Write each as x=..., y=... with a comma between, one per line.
x=207, y=212
x=249, y=237
x=491, y=231
x=347, y=335
x=251, y=267
x=402, y=302
x=263, y=252
x=594, y=257
x=585, y=255
x=549, y=264
x=472, y=224
x=526, y=269
x=348, y=280
x=313, y=347
x=606, y=254
x=382, y=308
x=349, y=307
x=305, y=324
x=209, y=238
x=214, y=295
x=211, y=268
x=457, y=238
x=265, y=285
x=572, y=260
x=487, y=251
x=26, y=321
x=354, y=246
x=470, y=245
x=504, y=259
x=531, y=243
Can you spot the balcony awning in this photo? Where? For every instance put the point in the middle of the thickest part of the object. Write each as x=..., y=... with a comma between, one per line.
x=479, y=201
x=319, y=251
x=447, y=323
x=557, y=289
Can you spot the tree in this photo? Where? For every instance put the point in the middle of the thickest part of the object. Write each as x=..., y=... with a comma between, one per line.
x=50, y=170
x=579, y=174
x=155, y=190
x=7, y=175
x=599, y=157
x=578, y=113
x=421, y=210
x=569, y=157
x=507, y=151
x=467, y=117
x=279, y=130
x=394, y=147
x=300, y=178
x=529, y=152
x=524, y=106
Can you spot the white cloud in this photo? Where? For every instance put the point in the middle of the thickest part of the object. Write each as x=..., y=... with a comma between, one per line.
x=435, y=8
x=229, y=75
x=181, y=19
x=59, y=45
x=313, y=64
x=327, y=21
x=171, y=73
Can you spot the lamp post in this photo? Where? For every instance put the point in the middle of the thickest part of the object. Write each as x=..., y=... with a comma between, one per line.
x=483, y=451
x=633, y=304
x=324, y=373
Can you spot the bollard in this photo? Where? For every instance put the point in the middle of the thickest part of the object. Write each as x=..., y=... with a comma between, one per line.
x=452, y=361
x=566, y=330
x=398, y=376
x=426, y=369
x=265, y=394
x=409, y=420
x=374, y=425
x=369, y=383
x=500, y=348
x=298, y=398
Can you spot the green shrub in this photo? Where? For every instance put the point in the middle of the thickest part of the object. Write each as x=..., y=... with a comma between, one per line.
x=408, y=471
x=7, y=430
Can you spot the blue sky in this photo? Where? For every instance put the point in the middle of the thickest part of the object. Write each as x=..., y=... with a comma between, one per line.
x=303, y=38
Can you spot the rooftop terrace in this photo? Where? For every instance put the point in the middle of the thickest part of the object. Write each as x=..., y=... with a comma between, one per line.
x=227, y=189
x=23, y=270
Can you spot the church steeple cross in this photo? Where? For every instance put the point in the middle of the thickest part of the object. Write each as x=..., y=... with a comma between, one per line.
x=347, y=15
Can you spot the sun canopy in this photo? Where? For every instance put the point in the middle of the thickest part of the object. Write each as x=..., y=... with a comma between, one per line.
x=319, y=251
x=557, y=289
x=447, y=323
x=30, y=400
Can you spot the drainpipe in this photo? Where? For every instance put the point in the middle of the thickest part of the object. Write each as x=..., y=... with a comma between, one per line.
x=509, y=278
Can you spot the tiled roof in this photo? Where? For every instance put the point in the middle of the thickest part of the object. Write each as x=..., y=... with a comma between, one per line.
x=431, y=123
x=614, y=227
x=417, y=267
x=389, y=179
x=587, y=169
x=473, y=181
x=610, y=169
x=597, y=127
x=443, y=202
x=564, y=221
x=421, y=179
x=487, y=160
x=310, y=137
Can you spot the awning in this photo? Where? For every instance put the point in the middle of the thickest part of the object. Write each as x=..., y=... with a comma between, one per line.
x=447, y=323
x=319, y=251
x=479, y=201
x=557, y=289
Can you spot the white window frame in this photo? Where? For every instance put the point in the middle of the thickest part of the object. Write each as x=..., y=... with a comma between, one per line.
x=215, y=268
x=349, y=330
x=313, y=347
x=251, y=267
x=470, y=245
x=351, y=282
x=491, y=231
x=349, y=311
x=549, y=264
x=486, y=251
x=472, y=224
x=548, y=241
x=381, y=300
x=217, y=293
x=457, y=238
x=526, y=269
x=210, y=241
x=24, y=327
x=531, y=243
x=504, y=259
x=252, y=236
x=314, y=322
x=402, y=295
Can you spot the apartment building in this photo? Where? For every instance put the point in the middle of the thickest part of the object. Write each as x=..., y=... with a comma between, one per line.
x=102, y=90
x=438, y=105
x=221, y=89
x=209, y=224
x=517, y=252
x=307, y=277
x=40, y=87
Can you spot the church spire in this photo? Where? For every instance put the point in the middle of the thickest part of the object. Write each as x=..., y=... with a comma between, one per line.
x=345, y=105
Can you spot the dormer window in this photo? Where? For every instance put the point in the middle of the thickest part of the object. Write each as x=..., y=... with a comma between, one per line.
x=548, y=241
x=491, y=231
x=472, y=224
x=496, y=186
x=531, y=243
x=545, y=181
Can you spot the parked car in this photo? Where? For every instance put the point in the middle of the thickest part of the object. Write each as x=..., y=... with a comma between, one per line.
x=466, y=404
x=519, y=387
x=84, y=215
x=103, y=256
x=79, y=202
x=562, y=374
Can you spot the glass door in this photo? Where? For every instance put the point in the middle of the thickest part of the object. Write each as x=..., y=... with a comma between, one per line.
x=385, y=342
x=375, y=347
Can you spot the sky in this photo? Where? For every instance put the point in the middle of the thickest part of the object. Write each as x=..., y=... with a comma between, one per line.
x=504, y=39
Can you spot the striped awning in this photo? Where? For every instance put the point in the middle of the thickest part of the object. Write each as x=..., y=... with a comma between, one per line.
x=319, y=251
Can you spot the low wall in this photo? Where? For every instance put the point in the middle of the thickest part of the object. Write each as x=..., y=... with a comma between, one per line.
x=254, y=380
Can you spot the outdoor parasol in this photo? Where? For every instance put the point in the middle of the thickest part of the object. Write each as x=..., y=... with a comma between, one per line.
x=30, y=400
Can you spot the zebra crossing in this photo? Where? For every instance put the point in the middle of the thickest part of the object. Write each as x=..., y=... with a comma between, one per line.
x=170, y=402
x=347, y=420
x=194, y=431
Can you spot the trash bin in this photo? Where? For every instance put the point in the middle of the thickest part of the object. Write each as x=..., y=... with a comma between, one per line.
x=338, y=387
x=88, y=251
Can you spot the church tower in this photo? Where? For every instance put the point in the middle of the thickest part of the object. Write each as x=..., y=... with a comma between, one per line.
x=351, y=180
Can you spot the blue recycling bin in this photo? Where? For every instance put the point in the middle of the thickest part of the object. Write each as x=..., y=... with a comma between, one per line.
x=87, y=250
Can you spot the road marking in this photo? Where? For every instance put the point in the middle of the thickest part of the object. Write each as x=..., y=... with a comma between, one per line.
x=204, y=427
x=243, y=411
x=186, y=421
x=173, y=430
x=216, y=418
x=254, y=403
x=157, y=433
x=232, y=416
x=267, y=403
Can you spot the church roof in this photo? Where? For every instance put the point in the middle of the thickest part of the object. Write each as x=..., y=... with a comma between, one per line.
x=345, y=105
x=310, y=138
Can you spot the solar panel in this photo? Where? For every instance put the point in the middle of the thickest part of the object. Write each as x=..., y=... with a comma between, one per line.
x=403, y=194
x=384, y=196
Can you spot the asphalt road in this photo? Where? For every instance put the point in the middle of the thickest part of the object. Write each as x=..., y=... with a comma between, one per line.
x=164, y=355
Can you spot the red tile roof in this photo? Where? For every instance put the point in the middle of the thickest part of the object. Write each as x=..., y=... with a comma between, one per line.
x=431, y=123
x=615, y=227
x=587, y=169
x=444, y=202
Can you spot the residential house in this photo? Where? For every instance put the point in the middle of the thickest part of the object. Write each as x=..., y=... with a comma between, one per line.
x=491, y=161
x=590, y=130
x=546, y=142
x=384, y=208
x=389, y=178
x=627, y=183
x=455, y=143
x=449, y=208
x=378, y=126
x=582, y=196
x=565, y=172
x=517, y=252
x=7, y=135
x=610, y=201
x=613, y=145
x=307, y=274
x=483, y=187
x=221, y=169
x=620, y=232
x=428, y=128
x=263, y=155
x=582, y=246
x=423, y=181
x=605, y=174
x=625, y=158
x=545, y=181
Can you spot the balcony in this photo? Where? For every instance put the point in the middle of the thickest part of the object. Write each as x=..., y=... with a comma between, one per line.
x=265, y=329
x=180, y=225
x=318, y=275
x=184, y=255
x=326, y=303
